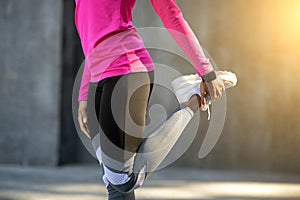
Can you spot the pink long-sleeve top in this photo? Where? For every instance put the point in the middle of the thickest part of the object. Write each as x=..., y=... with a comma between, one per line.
x=112, y=46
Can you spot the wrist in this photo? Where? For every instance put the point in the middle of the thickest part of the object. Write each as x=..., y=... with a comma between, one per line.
x=82, y=103
x=209, y=77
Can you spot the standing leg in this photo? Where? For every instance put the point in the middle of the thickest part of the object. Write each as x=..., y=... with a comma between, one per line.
x=127, y=112
x=122, y=114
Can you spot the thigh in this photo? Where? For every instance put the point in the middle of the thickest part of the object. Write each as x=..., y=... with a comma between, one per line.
x=122, y=114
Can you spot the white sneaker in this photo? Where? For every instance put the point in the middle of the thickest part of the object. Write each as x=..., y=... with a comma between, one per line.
x=229, y=79
x=188, y=85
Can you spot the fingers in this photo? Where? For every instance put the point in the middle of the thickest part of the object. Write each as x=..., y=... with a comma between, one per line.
x=203, y=95
x=220, y=88
x=203, y=103
x=83, y=123
x=215, y=89
x=213, y=93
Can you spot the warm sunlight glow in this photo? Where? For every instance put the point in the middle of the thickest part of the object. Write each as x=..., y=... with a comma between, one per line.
x=281, y=23
x=288, y=21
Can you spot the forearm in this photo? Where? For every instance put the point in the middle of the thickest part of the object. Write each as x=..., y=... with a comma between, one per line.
x=173, y=20
x=84, y=86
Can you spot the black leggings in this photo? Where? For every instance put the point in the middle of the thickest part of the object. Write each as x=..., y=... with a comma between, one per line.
x=121, y=107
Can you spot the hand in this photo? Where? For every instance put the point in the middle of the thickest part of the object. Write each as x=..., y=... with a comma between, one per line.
x=82, y=118
x=214, y=89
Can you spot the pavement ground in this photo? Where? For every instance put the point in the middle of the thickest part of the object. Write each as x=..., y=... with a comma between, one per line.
x=85, y=183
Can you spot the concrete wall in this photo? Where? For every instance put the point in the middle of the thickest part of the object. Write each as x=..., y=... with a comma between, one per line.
x=30, y=58
x=258, y=40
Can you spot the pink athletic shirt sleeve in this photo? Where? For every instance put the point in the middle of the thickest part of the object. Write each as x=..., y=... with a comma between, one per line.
x=174, y=21
x=98, y=20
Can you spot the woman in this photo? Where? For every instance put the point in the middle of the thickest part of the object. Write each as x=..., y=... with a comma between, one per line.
x=116, y=60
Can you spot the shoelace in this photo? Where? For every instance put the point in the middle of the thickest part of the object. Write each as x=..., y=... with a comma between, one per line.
x=208, y=112
x=208, y=107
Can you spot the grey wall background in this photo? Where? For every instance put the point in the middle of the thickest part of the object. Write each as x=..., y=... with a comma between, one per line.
x=30, y=81
x=40, y=54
